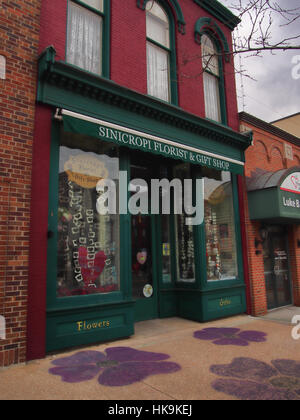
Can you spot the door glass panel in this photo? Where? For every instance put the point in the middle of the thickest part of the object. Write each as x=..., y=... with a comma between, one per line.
x=166, y=249
x=88, y=243
x=184, y=236
x=276, y=267
x=141, y=239
x=142, y=282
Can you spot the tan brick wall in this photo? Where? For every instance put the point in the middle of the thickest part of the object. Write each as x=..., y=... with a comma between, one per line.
x=268, y=153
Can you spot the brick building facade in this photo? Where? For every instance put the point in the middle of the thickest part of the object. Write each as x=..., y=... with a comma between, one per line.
x=19, y=41
x=91, y=277
x=274, y=151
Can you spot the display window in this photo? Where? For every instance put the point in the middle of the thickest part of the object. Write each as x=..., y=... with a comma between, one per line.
x=185, y=255
x=221, y=252
x=88, y=245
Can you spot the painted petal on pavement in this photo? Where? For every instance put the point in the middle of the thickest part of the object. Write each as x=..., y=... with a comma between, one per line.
x=231, y=342
x=243, y=367
x=252, y=391
x=127, y=354
x=287, y=367
x=80, y=358
x=130, y=372
x=74, y=374
x=214, y=333
x=255, y=336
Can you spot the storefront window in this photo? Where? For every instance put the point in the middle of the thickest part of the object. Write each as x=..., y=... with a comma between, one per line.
x=184, y=236
x=166, y=249
x=88, y=243
x=219, y=226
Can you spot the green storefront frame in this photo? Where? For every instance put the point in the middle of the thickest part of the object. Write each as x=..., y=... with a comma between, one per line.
x=84, y=320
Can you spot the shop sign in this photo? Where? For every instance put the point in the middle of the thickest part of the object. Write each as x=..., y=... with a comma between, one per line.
x=292, y=183
x=290, y=204
x=147, y=144
x=137, y=140
x=91, y=326
x=85, y=171
x=225, y=302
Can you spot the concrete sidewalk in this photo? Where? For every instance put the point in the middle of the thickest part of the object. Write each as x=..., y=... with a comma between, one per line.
x=214, y=364
x=283, y=315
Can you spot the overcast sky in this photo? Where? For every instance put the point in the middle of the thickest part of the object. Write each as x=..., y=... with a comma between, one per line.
x=275, y=93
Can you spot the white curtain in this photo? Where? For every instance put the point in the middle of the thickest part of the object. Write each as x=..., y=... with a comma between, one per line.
x=158, y=72
x=212, y=97
x=84, y=39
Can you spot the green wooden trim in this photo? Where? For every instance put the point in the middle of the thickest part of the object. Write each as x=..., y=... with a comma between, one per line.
x=176, y=6
x=125, y=236
x=53, y=215
x=87, y=6
x=209, y=26
x=54, y=303
x=106, y=40
x=220, y=12
x=63, y=85
x=238, y=233
x=157, y=44
x=63, y=329
x=142, y=142
x=274, y=204
x=239, y=279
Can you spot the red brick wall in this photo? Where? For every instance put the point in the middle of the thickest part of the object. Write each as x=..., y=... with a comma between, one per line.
x=128, y=51
x=19, y=24
x=128, y=68
x=267, y=153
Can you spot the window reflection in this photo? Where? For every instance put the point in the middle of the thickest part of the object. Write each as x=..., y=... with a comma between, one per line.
x=219, y=227
x=184, y=236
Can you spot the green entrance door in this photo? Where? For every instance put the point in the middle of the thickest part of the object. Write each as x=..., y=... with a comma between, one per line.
x=144, y=246
x=276, y=263
x=144, y=276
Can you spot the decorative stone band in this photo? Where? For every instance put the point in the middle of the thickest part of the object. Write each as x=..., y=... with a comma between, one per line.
x=124, y=136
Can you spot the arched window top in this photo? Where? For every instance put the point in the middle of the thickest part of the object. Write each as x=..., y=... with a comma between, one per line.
x=144, y=4
x=207, y=26
x=210, y=55
x=95, y=4
x=158, y=28
x=156, y=10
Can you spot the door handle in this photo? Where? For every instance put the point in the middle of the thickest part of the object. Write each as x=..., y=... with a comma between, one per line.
x=50, y=234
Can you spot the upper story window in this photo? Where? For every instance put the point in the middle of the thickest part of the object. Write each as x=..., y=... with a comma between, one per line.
x=211, y=79
x=158, y=52
x=85, y=34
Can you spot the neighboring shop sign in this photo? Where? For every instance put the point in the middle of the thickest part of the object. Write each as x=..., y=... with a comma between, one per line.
x=292, y=183
x=281, y=201
x=290, y=194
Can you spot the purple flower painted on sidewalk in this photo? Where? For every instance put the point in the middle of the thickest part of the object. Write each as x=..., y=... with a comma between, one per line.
x=251, y=379
x=118, y=366
x=230, y=336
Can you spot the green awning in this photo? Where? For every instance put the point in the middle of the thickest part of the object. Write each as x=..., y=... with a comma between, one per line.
x=125, y=136
x=276, y=197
